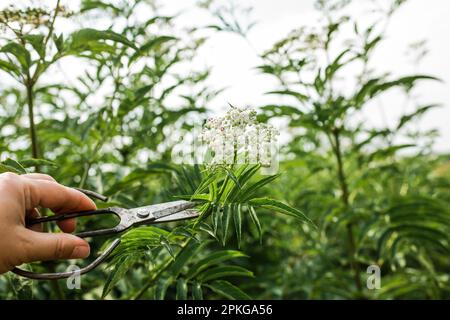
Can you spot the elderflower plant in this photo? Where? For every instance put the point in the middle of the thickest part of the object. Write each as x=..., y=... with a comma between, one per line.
x=238, y=138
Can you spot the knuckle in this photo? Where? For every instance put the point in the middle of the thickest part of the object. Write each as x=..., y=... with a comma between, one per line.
x=47, y=177
x=11, y=182
x=8, y=176
x=60, y=249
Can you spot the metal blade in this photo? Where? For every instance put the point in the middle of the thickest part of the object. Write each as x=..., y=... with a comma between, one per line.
x=160, y=210
x=182, y=215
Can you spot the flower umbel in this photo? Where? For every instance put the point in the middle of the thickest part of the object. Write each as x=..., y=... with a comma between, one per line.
x=238, y=138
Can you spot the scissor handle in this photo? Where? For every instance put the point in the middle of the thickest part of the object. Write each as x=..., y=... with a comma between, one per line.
x=68, y=274
x=87, y=234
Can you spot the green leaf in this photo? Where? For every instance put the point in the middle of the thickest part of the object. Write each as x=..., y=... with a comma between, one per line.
x=184, y=257
x=406, y=82
x=226, y=219
x=197, y=292
x=161, y=288
x=335, y=65
x=9, y=68
x=420, y=111
x=224, y=271
x=87, y=5
x=59, y=42
x=213, y=259
x=166, y=244
x=27, y=163
x=14, y=166
x=237, y=219
x=152, y=44
x=22, y=55
x=389, y=151
x=250, y=191
x=118, y=272
x=256, y=222
x=227, y=290
x=279, y=206
x=37, y=42
x=299, y=96
x=374, y=87
x=281, y=110
x=84, y=38
x=208, y=229
x=181, y=289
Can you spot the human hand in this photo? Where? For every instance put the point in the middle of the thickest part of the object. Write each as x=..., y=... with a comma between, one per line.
x=20, y=195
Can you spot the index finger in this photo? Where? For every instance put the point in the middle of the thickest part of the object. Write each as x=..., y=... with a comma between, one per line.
x=52, y=195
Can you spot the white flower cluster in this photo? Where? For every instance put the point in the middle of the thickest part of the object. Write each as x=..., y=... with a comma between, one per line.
x=239, y=138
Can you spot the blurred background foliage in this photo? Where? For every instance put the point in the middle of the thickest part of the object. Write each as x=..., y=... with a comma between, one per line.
x=113, y=130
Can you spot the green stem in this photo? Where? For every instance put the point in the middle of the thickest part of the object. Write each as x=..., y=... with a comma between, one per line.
x=33, y=136
x=336, y=146
x=165, y=265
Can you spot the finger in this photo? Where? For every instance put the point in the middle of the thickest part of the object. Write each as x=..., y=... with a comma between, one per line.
x=53, y=246
x=52, y=195
x=34, y=213
x=68, y=225
x=38, y=176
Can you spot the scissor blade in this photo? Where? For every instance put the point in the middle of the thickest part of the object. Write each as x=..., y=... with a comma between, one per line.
x=160, y=210
x=182, y=215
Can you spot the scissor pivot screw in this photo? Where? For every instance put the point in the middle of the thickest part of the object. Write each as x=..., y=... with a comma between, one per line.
x=143, y=214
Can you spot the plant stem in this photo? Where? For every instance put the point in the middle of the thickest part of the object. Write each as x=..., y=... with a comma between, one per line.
x=336, y=146
x=33, y=136
x=166, y=264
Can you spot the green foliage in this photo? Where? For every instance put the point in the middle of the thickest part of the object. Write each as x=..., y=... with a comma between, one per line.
x=348, y=195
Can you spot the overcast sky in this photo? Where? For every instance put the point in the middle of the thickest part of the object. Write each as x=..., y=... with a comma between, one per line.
x=233, y=59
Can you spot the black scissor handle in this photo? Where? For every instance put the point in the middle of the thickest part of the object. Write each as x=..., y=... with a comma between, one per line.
x=68, y=274
x=64, y=275
x=86, y=234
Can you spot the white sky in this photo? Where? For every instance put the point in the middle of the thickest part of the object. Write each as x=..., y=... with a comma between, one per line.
x=233, y=60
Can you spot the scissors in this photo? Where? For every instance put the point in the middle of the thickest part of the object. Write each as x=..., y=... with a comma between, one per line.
x=129, y=218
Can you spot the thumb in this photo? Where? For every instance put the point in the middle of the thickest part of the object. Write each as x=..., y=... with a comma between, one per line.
x=54, y=246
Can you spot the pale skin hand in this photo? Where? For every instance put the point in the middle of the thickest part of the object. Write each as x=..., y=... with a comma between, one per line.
x=20, y=196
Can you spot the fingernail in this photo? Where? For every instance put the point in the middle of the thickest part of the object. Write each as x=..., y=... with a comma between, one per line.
x=80, y=252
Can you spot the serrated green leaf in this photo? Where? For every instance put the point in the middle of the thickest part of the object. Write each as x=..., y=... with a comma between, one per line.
x=118, y=272
x=181, y=289
x=9, y=68
x=255, y=221
x=224, y=271
x=27, y=163
x=197, y=292
x=237, y=219
x=299, y=96
x=279, y=206
x=37, y=42
x=84, y=39
x=249, y=191
x=213, y=259
x=21, y=53
x=226, y=219
x=16, y=166
x=227, y=290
